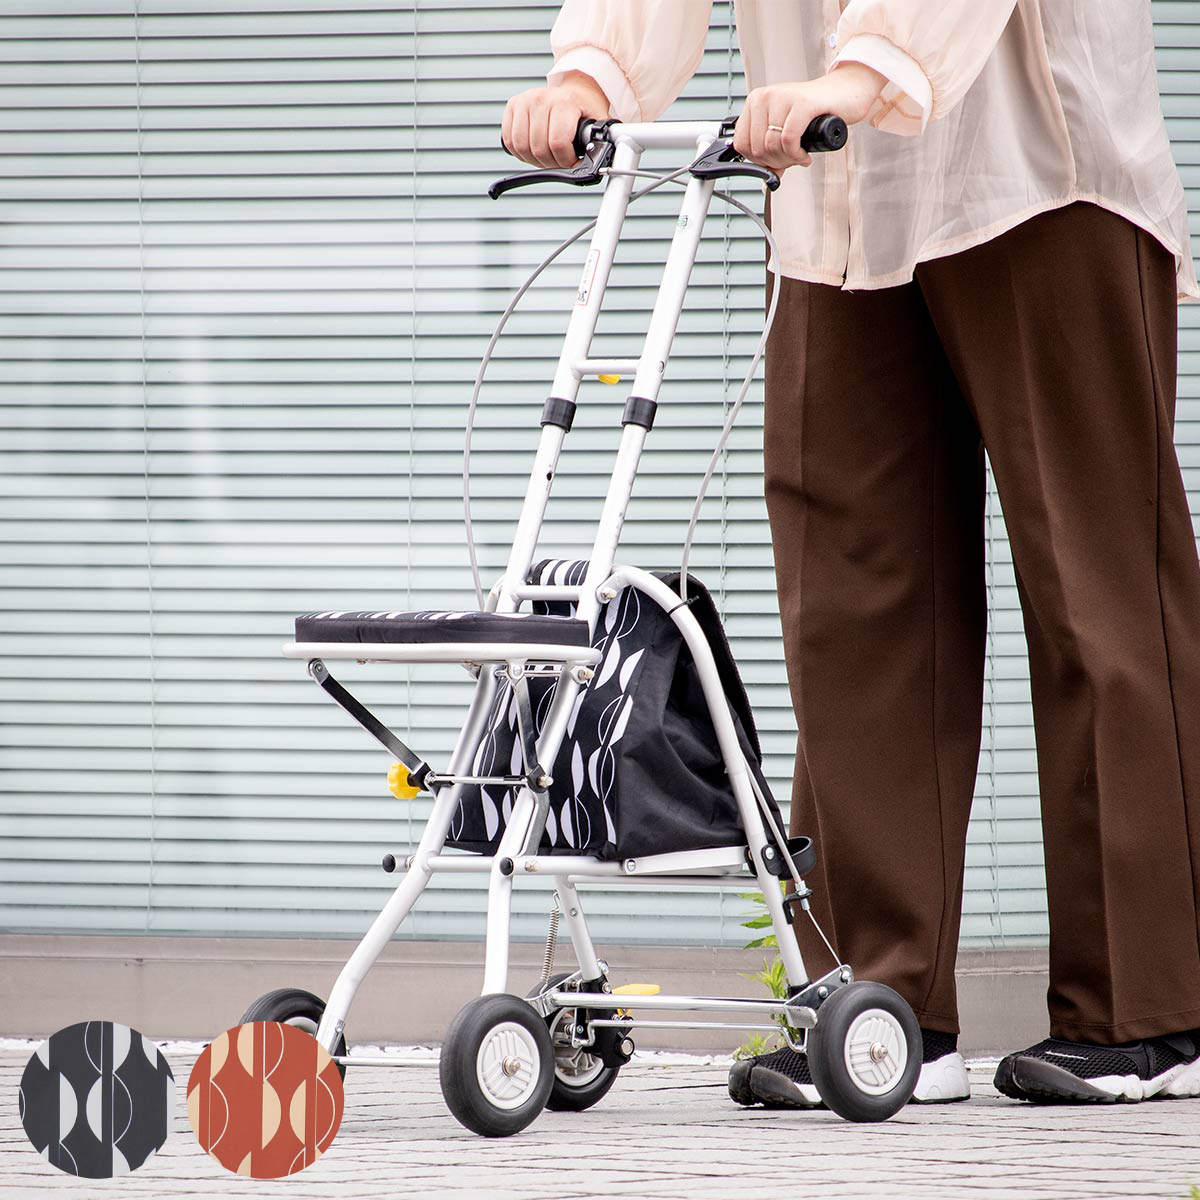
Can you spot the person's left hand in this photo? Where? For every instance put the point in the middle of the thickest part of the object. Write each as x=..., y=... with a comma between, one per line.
x=774, y=118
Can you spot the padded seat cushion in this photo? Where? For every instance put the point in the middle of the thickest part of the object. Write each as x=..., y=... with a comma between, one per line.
x=528, y=629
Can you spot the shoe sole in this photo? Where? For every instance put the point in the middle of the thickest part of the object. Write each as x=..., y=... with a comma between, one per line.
x=776, y=1090
x=944, y=1081
x=1041, y=1082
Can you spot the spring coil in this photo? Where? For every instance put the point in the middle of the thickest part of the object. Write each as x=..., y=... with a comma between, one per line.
x=551, y=943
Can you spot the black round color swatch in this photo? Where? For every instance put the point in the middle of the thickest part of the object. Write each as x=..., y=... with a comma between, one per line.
x=95, y=1099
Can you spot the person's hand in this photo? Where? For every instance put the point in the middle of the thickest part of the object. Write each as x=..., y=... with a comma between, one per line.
x=774, y=118
x=539, y=125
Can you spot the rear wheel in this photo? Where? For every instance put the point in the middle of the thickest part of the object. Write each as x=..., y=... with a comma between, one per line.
x=293, y=1006
x=580, y=1078
x=865, y=1052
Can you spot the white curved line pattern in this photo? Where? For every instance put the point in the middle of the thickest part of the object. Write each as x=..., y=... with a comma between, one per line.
x=118, y=1081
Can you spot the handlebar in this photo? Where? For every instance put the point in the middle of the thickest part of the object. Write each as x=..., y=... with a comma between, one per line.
x=594, y=144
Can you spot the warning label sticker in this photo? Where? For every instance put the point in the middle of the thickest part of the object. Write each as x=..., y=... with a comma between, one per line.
x=585, y=280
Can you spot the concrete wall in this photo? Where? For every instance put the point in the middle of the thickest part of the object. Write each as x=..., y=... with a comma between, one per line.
x=196, y=987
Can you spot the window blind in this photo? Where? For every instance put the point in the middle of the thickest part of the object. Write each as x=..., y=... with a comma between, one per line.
x=247, y=269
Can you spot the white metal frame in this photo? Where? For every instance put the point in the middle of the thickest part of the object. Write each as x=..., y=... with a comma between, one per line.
x=717, y=868
x=431, y=652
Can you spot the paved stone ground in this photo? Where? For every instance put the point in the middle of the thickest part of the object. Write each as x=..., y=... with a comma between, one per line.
x=667, y=1130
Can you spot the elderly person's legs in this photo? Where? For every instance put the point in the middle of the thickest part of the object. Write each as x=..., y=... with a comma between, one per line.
x=1068, y=360
x=1057, y=341
x=875, y=491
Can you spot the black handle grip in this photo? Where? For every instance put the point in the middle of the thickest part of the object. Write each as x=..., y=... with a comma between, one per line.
x=827, y=132
x=824, y=133
x=583, y=135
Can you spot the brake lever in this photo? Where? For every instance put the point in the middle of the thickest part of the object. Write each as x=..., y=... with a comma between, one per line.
x=720, y=161
x=596, y=153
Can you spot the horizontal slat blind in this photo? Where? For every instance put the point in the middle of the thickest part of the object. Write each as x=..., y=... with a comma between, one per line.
x=246, y=272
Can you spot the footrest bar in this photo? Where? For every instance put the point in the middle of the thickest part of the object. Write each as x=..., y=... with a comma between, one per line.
x=509, y=781
x=797, y=1015
x=632, y=1025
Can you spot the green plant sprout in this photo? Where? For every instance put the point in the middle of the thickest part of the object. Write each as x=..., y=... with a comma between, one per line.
x=772, y=976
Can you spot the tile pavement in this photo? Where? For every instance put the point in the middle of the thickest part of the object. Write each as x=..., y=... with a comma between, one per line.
x=667, y=1130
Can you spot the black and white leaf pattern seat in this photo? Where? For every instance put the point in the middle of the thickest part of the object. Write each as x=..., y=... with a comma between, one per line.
x=431, y=627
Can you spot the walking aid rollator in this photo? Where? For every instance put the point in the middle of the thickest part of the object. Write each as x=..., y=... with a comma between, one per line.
x=608, y=741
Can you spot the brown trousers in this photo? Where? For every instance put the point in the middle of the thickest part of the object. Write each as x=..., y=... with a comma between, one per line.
x=1053, y=345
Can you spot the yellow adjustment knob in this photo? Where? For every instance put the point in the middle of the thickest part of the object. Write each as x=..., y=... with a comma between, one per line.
x=635, y=989
x=399, y=783
x=610, y=379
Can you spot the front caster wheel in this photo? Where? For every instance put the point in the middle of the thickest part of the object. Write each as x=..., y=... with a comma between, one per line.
x=293, y=1006
x=865, y=1052
x=497, y=1065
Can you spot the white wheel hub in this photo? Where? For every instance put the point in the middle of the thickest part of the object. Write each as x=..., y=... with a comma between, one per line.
x=876, y=1051
x=507, y=1065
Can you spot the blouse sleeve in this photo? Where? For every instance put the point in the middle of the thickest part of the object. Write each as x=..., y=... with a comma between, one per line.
x=640, y=52
x=930, y=53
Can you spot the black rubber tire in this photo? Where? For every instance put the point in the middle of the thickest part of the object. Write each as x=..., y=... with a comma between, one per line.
x=290, y=1006
x=564, y=1096
x=826, y=1052
x=460, y=1052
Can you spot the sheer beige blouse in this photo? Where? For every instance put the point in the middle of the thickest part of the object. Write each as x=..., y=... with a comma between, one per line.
x=1012, y=107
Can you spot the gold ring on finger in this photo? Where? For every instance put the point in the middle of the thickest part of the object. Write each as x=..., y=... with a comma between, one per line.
x=774, y=128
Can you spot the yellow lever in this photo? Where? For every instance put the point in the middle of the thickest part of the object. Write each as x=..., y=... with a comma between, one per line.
x=399, y=783
x=610, y=379
x=635, y=989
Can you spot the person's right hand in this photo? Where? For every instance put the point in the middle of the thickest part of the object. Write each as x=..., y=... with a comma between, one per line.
x=539, y=125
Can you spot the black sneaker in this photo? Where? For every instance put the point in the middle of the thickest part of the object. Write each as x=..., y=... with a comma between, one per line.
x=1061, y=1072
x=739, y=1080
x=782, y=1079
x=740, y=1090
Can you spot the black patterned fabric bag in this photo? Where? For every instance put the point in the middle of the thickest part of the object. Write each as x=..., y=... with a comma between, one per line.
x=639, y=770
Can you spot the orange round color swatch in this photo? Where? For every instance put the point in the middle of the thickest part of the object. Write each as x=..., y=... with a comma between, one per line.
x=265, y=1099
